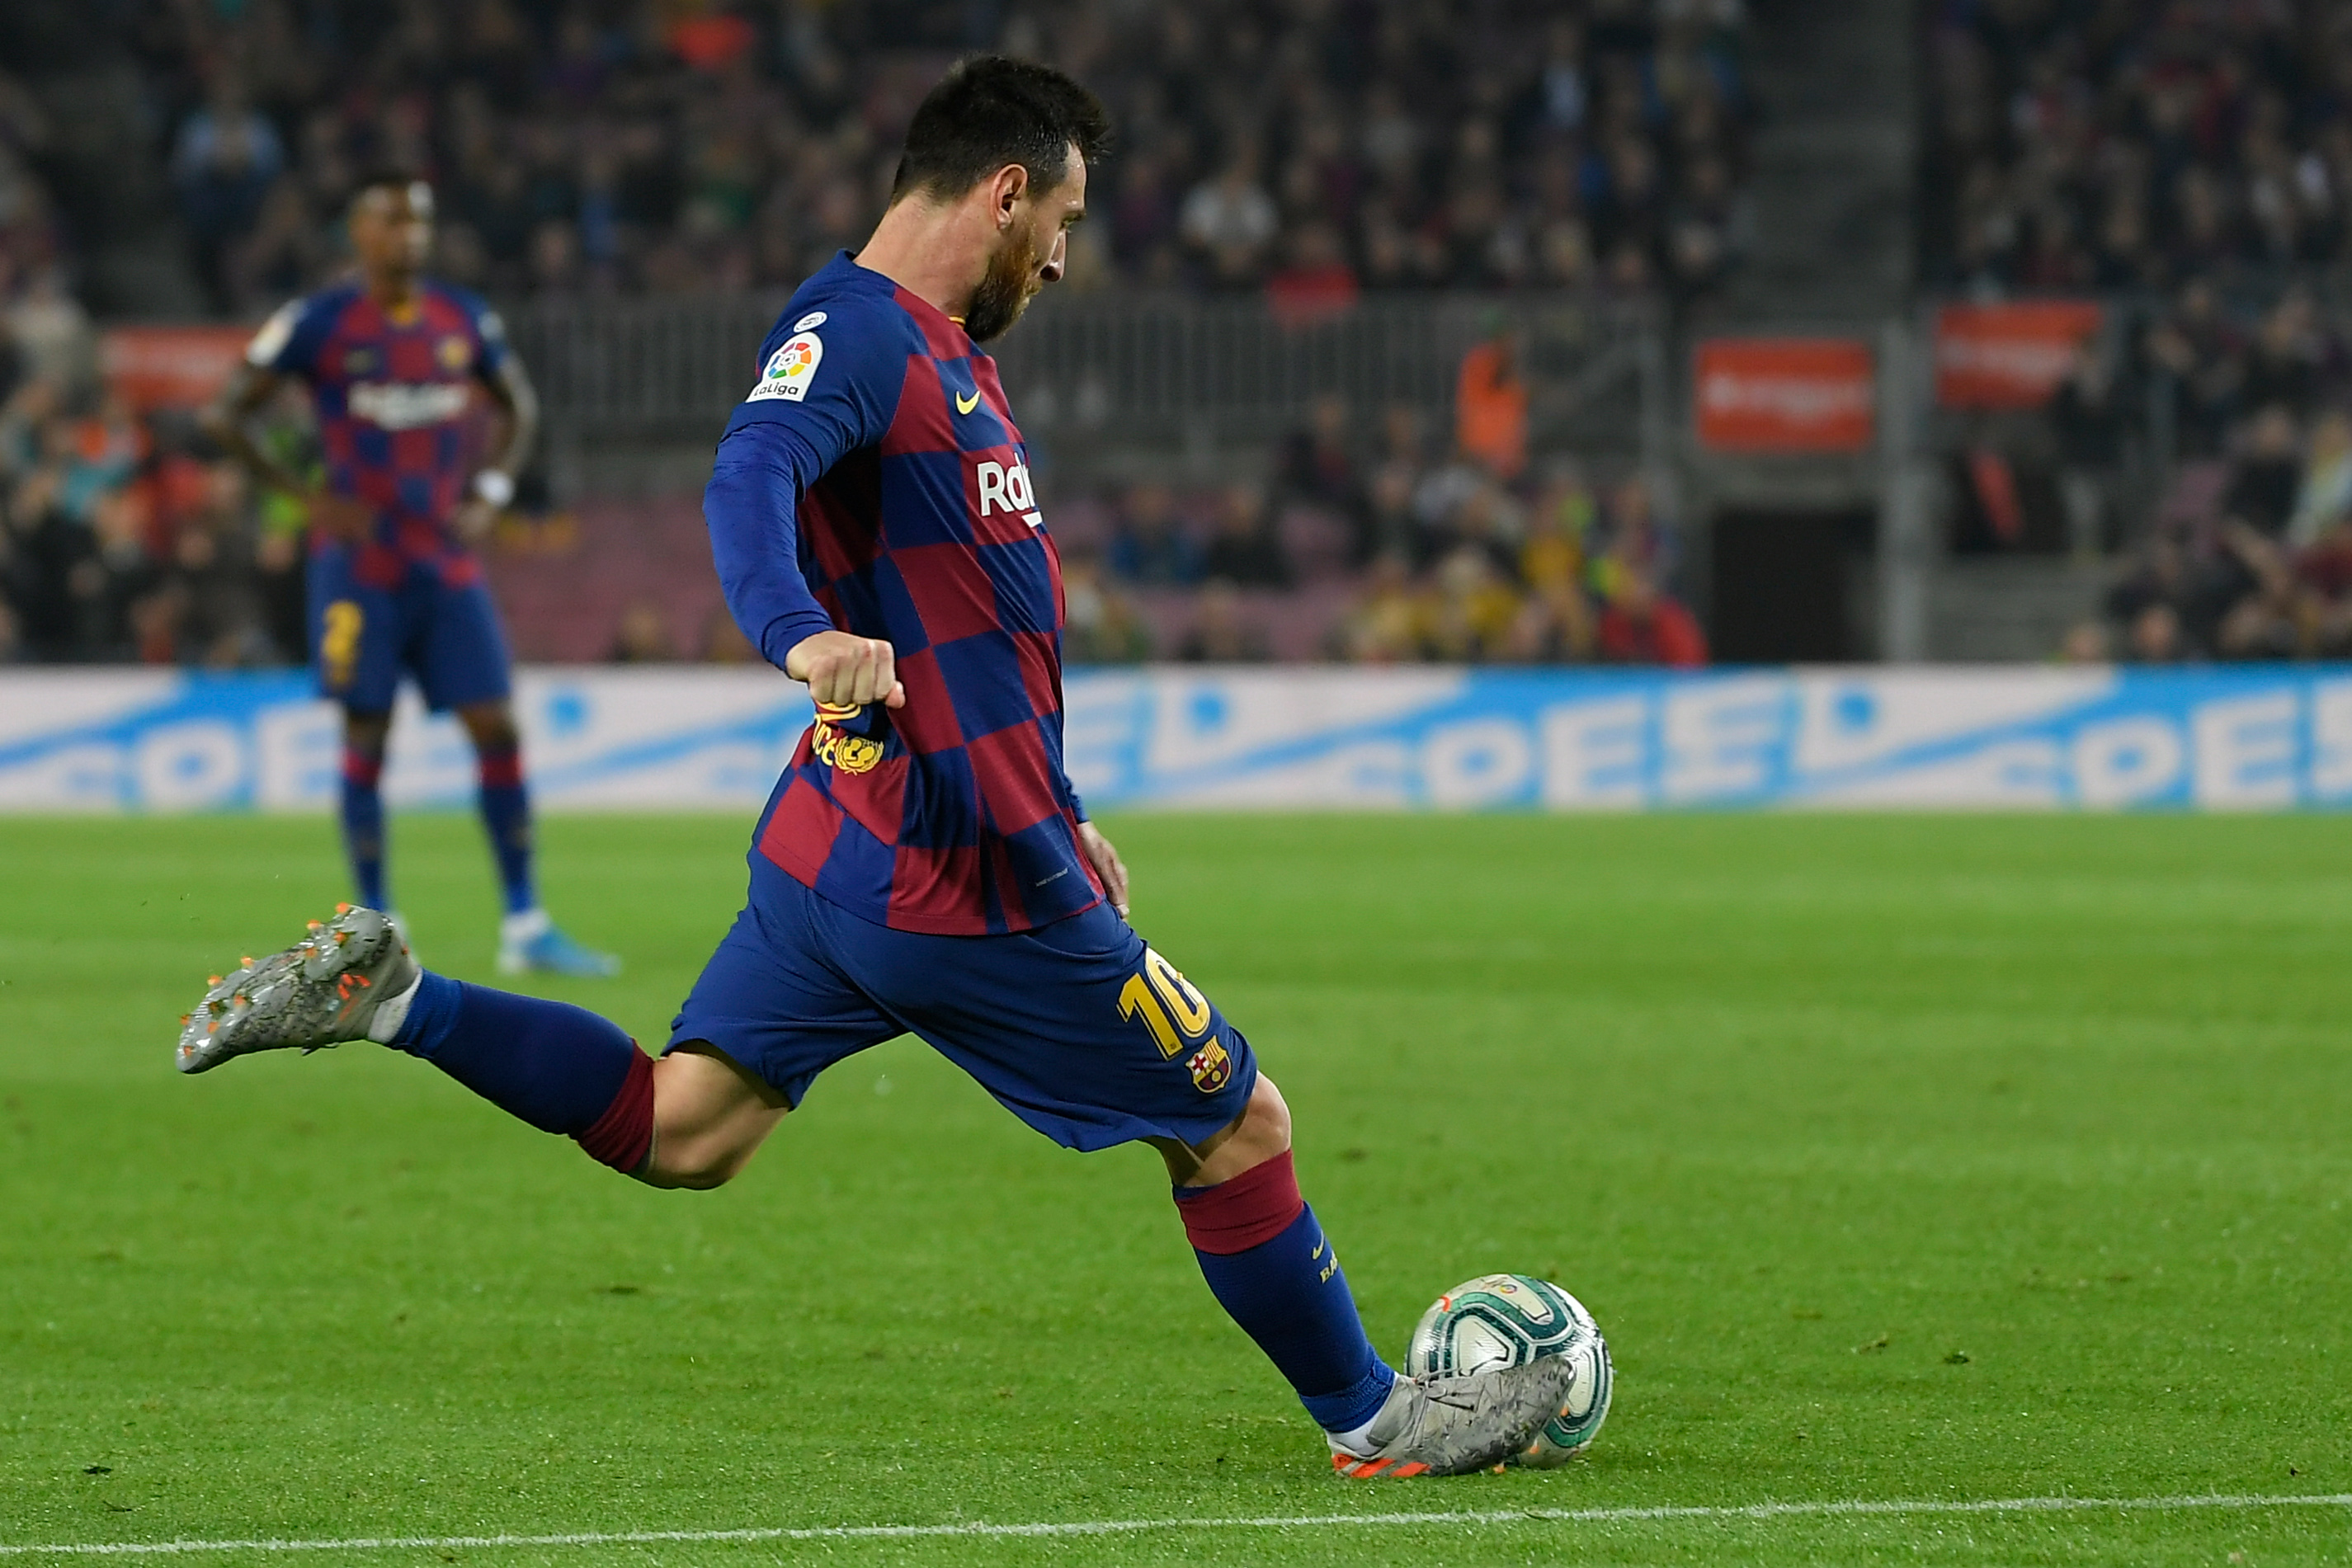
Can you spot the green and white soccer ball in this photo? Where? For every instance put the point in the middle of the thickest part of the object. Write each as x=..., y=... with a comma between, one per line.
x=1498, y=1321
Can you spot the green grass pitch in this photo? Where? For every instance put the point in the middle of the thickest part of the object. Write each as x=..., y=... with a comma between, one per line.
x=1900, y=1158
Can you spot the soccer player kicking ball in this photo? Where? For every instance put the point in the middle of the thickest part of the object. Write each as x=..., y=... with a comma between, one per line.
x=391, y=362
x=923, y=865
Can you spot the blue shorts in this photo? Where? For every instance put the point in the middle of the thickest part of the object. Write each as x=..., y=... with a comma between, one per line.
x=364, y=638
x=1078, y=1027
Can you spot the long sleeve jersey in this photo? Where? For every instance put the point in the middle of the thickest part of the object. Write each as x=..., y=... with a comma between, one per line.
x=873, y=482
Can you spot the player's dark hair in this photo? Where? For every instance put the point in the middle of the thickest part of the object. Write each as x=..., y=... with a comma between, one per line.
x=989, y=110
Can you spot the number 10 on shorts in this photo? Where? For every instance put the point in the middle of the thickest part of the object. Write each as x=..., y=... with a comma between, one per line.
x=1170, y=1005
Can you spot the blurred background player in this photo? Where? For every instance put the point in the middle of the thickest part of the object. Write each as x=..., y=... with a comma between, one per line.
x=391, y=361
x=924, y=866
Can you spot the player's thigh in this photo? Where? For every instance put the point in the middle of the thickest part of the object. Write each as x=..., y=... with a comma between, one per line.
x=459, y=651
x=357, y=631
x=772, y=1002
x=1079, y=1028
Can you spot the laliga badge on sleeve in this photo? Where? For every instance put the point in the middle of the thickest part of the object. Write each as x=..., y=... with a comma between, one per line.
x=271, y=340
x=791, y=368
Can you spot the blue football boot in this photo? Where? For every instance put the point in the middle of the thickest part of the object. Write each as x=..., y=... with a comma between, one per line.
x=532, y=944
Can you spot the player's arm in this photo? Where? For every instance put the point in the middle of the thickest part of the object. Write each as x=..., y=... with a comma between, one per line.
x=227, y=419
x=775, y=448
x=500, y=370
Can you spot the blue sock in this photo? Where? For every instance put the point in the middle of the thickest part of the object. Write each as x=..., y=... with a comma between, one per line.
x=556, y=1066
x=1287, y=1292
x=362, y=807
x=506, y=814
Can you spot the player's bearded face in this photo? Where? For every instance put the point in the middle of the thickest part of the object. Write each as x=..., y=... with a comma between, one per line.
x=1014, y=274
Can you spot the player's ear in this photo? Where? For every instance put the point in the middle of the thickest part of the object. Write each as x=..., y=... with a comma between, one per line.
x=1011, y=185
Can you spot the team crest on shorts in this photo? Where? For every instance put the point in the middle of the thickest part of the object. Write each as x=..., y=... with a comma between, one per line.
x=1211, y=1068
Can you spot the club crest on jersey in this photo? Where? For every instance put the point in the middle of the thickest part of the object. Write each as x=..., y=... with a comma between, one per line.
x=838, y=750
x=456, y=353
x=791, y=368
x=1211, y=1067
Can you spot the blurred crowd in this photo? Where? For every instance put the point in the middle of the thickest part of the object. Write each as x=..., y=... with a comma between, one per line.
x=1311, y=148
x=124, y=538
x=1451, y=547
x=2133, y=144
x=2251, y=558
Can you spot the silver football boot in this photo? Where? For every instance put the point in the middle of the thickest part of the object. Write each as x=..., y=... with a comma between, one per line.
x=324, y=991
x=1451, y=1425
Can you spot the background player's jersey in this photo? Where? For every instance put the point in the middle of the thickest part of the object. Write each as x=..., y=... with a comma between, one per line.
x=873, y=482
x=393, y=395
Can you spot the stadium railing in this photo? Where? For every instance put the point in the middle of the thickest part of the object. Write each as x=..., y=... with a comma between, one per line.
x=1141, y=370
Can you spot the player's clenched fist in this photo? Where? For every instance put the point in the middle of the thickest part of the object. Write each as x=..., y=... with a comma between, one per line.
x=847, y=669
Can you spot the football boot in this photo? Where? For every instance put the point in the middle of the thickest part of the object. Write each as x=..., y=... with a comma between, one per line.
x=1449, y=1426
x=532, y=944
x=324, y=991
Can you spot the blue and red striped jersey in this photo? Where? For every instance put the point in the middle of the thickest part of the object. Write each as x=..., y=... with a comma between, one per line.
x=393, y=395
x=873, y=482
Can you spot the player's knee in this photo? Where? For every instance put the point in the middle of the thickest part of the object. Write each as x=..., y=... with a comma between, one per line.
x=1265, y=1124
x=367, y=734
x=492, y=726
x=1260, y=1134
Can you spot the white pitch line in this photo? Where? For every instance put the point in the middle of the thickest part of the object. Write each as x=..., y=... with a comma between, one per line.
x=1136, y=1526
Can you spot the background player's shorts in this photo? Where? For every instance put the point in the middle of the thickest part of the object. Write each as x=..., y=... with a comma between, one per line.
x=363, y=638
x=1078, y=1027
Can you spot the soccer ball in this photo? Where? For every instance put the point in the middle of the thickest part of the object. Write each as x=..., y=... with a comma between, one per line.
x=1509, y=1320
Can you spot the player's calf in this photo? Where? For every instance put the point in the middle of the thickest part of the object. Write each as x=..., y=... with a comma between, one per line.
x=561, y=1068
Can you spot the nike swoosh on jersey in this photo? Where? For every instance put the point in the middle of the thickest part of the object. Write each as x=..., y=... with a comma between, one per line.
x=964, y=404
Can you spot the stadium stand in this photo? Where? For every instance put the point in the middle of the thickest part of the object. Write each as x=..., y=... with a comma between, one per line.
x=1304, y=157
x=2192, y=165
x=1313, y=147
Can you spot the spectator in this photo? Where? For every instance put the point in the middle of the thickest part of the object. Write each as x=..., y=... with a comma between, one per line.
x=2086, y=642
x=1222, y=632
x=1490, y=403
x=642, y=636
x=2089, y=431
x=2324, y=494
x=2156, y=636
x=1383, y=625
x=1318, y=470
x=2267, y=477
x=1473, y=610
x=1099, y=625
x=1149, y=545
x=693, y=148
x=223, y=162
x=723, y=642
x=1317, y=282
x=2199, y=353
x=2161, y=578
x=1244, y=549
x=1639, y=626
x=1229, y=221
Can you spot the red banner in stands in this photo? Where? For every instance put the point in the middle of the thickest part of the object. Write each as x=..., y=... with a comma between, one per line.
x=1786, y=394
x=2008, y=356
x=170, y=367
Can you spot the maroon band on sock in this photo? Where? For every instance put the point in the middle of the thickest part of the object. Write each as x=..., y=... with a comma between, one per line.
x=1234, y=1215
x=363, y=768
x=623, y=1135
x=500, y=768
